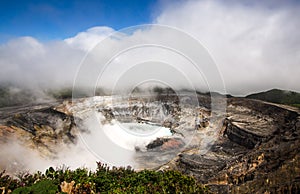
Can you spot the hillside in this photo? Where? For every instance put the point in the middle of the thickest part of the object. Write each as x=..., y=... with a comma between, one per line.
x=278, y=96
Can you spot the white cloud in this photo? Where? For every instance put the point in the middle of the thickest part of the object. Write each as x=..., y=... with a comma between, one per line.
x=90, y=38
x=256, y=45
x=27, y=62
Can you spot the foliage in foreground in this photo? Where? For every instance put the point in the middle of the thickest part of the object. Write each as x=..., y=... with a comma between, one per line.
x=104, y=180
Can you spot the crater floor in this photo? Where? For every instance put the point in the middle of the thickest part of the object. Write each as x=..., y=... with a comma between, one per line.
x=252, y=147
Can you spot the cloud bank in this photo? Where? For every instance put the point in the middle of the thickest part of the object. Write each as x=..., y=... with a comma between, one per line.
x=255, y=45
x=27, y=62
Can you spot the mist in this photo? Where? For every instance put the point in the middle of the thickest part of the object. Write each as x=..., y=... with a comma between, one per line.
x=18, y=158
x=112, y=143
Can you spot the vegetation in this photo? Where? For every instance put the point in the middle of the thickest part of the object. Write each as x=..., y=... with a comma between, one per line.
x=15, y=96
x=103, y=180
x=278, y=96
x=10, y=96
x=165, y=91
x=67, y=93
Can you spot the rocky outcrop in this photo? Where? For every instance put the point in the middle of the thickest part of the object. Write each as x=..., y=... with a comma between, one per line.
x=241, y=136
x=157, y=143
x=43, y=125
x=165, y=143
x=257, y=152
x=143, y=110
x=108, y=114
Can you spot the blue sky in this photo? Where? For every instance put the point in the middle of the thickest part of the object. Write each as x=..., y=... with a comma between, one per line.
x=58, y=19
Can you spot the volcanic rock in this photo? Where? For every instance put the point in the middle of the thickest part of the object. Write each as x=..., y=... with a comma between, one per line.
x=256, y=147
x=257, y=151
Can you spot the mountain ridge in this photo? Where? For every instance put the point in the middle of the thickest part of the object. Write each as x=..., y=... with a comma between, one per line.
x=278, y=96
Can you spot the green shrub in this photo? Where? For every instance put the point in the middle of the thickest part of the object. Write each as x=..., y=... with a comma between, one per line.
x=41, y=187
x=103, y=180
